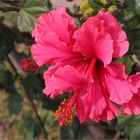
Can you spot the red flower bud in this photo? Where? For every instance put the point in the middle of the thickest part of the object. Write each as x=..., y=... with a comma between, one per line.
x=28, y=65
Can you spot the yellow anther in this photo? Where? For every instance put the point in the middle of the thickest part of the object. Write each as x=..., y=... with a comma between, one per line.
x=65, y=113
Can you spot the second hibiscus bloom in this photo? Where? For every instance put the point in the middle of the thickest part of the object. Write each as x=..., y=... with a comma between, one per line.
x=82, y=61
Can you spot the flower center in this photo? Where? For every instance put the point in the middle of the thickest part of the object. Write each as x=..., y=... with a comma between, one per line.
x=99, y=63
x=65, y=113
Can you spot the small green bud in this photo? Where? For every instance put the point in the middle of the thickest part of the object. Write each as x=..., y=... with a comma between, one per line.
x=112, y=9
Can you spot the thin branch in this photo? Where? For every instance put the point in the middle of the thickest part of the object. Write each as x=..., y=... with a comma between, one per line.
x=9, y=9
x=134, y=30
x=15, y=63
x=36, y=113
x=117, y=136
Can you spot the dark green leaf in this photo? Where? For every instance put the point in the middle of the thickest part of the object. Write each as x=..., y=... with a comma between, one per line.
x=7, y=81
x=34, y=85
x=15, y=103
x=28, y=13
x=77, y=128
x=66, y=133
x=131, y=126
x=50, y=104
x=3, y=76
x=135, y=133
x=94, y=4
x=30, y=127
x=122, y=122
x=6, y=41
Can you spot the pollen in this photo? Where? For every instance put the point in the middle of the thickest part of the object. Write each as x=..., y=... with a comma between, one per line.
x=65, y=113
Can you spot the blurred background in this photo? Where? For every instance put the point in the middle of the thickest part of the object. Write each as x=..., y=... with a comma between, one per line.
x=25, y=113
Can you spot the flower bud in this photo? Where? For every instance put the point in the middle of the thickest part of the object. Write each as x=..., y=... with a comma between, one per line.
x=28, y=65
x=112, y=9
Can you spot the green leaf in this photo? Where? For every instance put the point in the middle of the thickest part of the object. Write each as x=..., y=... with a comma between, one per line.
x=131, y=126
x=34, y=85
x=6, y=80
x=50, y=104
x=94, y=4
x=135, y=133
x=75, y=130
x=6, y=41
x=128, y=62
x=66, y=133
x=122, y=122
x=15, y=103
x=30, y=127
x=28, y=13
x=3, y=76
x=78, y=128
x=97, y=5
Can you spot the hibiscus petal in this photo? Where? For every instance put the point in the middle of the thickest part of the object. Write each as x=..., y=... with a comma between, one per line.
x=120, y=89
x=117, y=70
x=90, y=103
x=56, y=21
x=120, y=48
x=80, y=110
x=104, y=50
x=92, y=44
x=52, y=50
x=111, y=25
x=133, y=106
x=98, y=102
x=135, y=80
x=110, y=112
x=85, y=40
x=64, y=79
